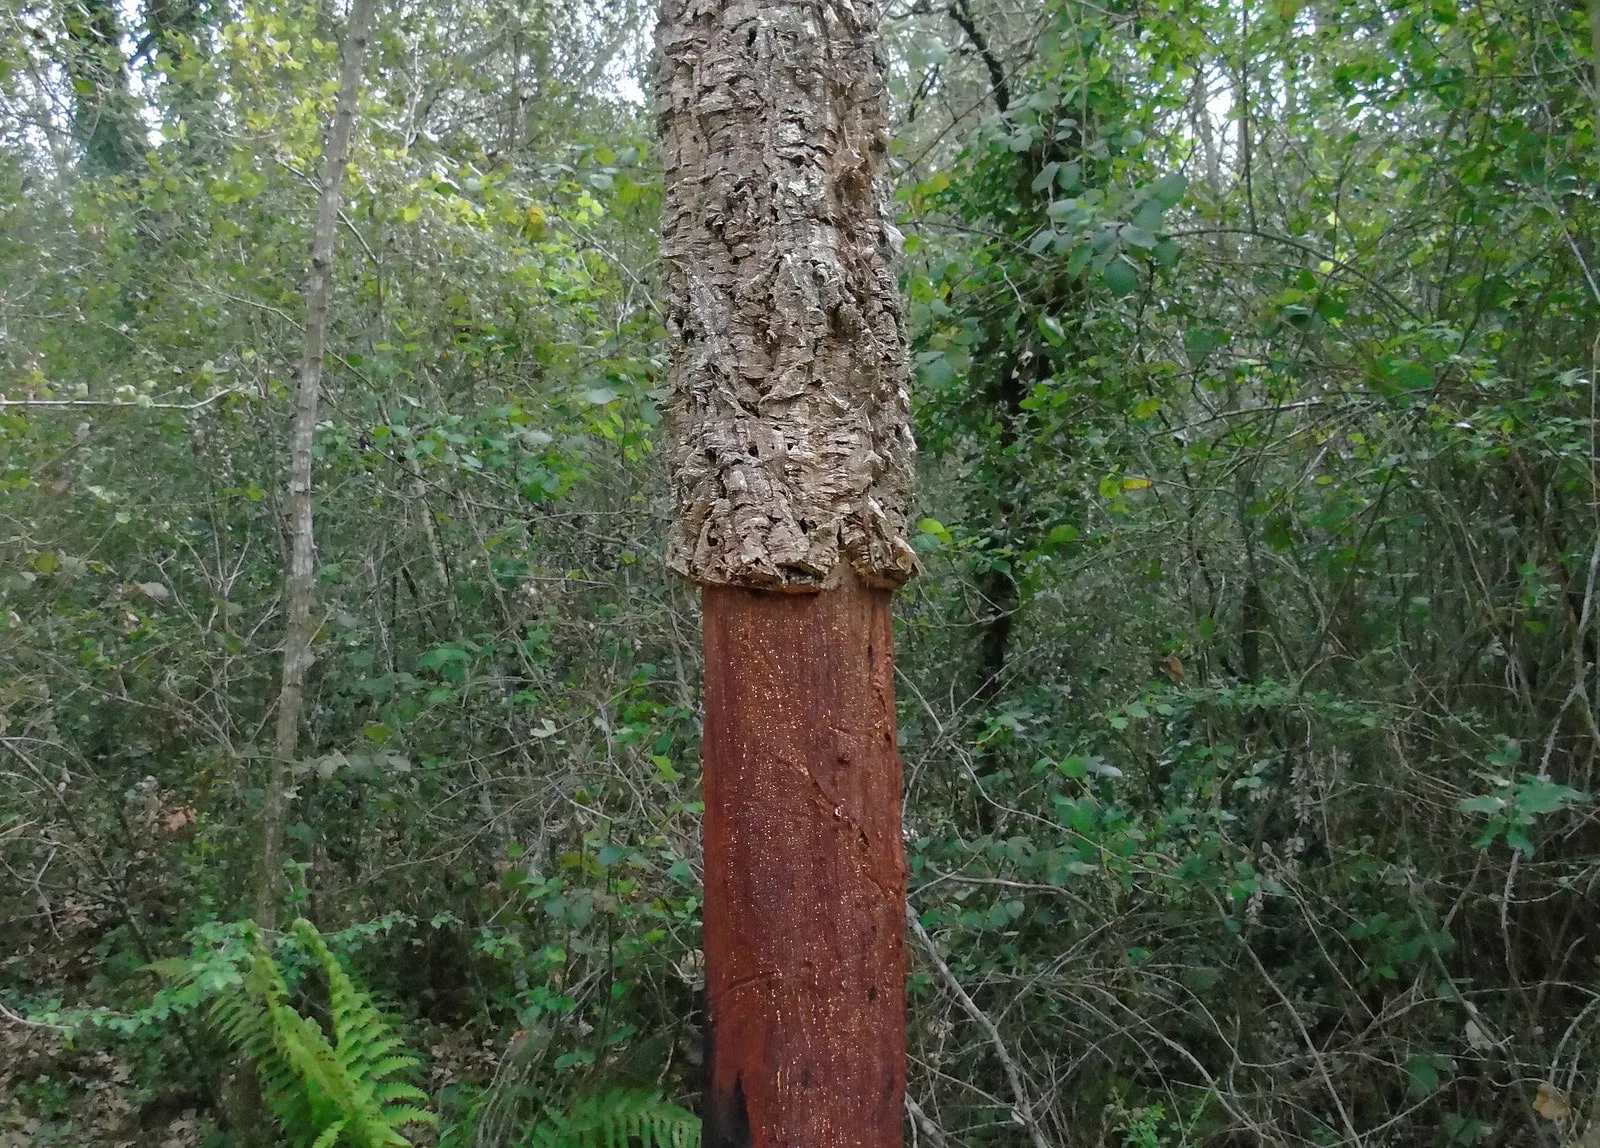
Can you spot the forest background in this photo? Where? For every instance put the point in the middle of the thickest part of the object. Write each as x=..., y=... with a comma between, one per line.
x=1248, y=695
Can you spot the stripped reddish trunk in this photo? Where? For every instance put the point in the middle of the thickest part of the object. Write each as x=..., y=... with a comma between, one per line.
x=805, y=876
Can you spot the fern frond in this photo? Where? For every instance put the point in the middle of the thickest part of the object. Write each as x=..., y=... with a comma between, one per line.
x=388, y=1066
x=246, y=1016
x=364, y=1044
x=397, y=1090
x=616, y=1119
x=400, y=1115
x=325, y=1089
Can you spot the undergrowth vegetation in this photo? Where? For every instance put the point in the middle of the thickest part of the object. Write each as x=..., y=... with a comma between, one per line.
x=1248, y=696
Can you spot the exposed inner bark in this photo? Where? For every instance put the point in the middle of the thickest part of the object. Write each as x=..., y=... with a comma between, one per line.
x=805, y=874
x=790, y=408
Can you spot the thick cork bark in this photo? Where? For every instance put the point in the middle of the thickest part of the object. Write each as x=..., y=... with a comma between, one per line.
x=793, y=456
x=790, y=411
x=805, y=875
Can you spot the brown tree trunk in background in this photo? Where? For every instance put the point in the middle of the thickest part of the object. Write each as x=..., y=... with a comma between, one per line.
x=793, y=459
x=299, y=584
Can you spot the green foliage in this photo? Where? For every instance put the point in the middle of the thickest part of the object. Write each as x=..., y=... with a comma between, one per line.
x=323, y=1093
x=1514, y=807
x=1247, y=696
x=616, y=1119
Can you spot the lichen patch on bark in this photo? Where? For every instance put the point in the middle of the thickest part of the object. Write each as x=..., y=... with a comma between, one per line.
x=790, y=410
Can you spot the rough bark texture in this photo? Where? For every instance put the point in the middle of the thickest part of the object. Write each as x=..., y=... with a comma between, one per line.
x=805, y=876
x=299, y=584
x=790, y=409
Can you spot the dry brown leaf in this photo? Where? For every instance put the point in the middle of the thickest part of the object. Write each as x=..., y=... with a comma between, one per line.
x=1551, y=1104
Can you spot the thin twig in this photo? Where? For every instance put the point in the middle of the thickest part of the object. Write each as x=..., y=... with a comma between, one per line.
x=116, y=403
x=15, y=1019
x=1023, y=1110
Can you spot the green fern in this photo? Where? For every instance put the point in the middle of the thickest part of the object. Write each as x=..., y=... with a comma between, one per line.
x=616, y=1119
x=323, y=1094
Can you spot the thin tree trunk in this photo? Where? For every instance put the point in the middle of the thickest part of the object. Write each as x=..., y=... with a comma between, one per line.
x=299, y=585
x=794, y=461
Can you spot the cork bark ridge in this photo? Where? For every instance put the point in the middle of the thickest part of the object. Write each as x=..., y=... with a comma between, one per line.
x=790, y=413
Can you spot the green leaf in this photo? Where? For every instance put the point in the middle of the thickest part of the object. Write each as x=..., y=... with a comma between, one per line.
x=443, y=655
x=1423, y=1073
x=1120, y=276
x=1137, y=237
x=1148, y=216
x=1401, y=377
x=935, y=370
x=609, y=855
x=1078, y=261
x=665, y=769
x=1169, y=189
x=935, y=528
x=1539, y=795
x=1075, y=768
